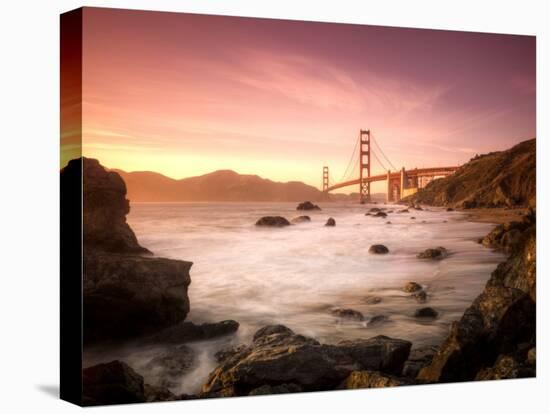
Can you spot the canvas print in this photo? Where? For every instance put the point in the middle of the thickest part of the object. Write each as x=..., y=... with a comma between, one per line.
x=258, y=206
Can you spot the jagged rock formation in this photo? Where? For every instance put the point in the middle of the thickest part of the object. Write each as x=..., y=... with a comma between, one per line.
x=290, y=362
x=125, y=294
x=496, y=336
x=498, y=179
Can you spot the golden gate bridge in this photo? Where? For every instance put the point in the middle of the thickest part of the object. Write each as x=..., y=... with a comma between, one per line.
x=400, y=183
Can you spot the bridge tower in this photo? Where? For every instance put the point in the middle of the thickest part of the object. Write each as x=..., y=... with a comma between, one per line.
x=325, y=179
x=364, y=165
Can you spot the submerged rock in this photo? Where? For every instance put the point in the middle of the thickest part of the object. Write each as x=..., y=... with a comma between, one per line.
x=373, y=300
x=301, y=219
x=279, y=356
x=330, y=222
x=405, y=210
x=273, y=221
x=350, y=314
x=373, y=379
x=436, y=253
x=112, y=383
x=412, y=287
x=380, y=214
x=420, y=296
x=378, y=249
x=378, y=320
x=308, y=205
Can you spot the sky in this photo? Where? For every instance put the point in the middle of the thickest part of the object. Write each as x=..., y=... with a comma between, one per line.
x=185, y=95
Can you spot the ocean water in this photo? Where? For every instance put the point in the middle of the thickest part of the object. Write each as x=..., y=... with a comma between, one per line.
x=297, y=274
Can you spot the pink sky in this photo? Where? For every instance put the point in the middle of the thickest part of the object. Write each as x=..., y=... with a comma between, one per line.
x=185, y=95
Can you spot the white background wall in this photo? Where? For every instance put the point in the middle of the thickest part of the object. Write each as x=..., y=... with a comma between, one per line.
x=29, y=192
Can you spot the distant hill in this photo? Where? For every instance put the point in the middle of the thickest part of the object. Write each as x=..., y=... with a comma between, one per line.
x=498, y=179
x=223, y=185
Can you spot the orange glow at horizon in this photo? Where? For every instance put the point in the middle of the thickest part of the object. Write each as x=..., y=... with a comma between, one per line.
x=185, y=95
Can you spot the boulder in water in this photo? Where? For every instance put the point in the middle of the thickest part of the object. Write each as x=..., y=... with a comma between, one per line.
x=350, y=314
x=378, y=249
x=308, y=205
x=301, y=219
x=412, y=287
x=436, y=253
x=426, y=312
x=330, y=222
x=273, y=221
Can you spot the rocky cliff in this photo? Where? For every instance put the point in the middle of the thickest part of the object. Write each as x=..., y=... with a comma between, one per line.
x=498, y=179
x=496, y=336
x=126, y=292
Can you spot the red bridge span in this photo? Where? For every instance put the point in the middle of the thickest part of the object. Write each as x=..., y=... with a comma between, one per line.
x=400, y=183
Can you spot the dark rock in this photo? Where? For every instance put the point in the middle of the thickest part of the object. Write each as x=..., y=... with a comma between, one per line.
x=378, y=320
x=426, y=312
x=375, y=210
x=418, y=359
x=273, y=221
x=350, y=314
x=104, y=207
x=450, y=209
x=308, y=205
x=509, y=236
x=379, y=353
x=188, y=331
x=276, y=389
x=157, y=394
x=532, y=356
x=301, y=219
x=378, y=249
x=388, y=222
x=506, y=367
x=111, y=383
x=126, y=296
x=417, y=207
x=437, y=253
x=380, y=214
x=373, y=379
x=330, y=222
x=420, y=296
x=411, y=287
x=412, y=218
x=225, y=353
x=279, y=356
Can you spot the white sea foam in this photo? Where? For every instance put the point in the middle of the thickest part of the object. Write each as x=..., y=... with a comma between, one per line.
x=295, y=275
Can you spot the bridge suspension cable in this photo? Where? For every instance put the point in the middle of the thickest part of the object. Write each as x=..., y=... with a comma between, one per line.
x=382, y=152
x=351, y=161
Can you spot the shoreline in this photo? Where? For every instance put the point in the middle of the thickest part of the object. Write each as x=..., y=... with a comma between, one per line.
x=494, y=215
